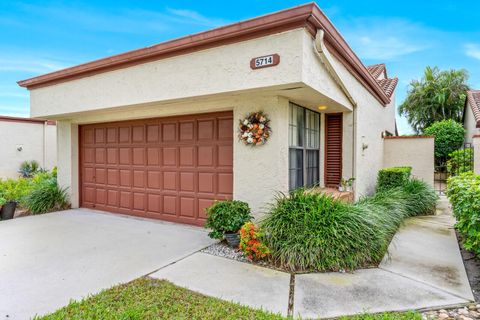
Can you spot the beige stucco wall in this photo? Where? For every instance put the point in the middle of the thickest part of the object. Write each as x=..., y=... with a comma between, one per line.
x=469, y=124
x=218, y=70
x=417, y=153
x=37, y=141
x=476, y=154
x=259, y=172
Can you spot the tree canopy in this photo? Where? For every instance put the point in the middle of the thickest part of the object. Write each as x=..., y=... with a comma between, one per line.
x=439, y=95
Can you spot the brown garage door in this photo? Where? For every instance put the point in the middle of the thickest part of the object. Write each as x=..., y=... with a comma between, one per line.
x=166, y=168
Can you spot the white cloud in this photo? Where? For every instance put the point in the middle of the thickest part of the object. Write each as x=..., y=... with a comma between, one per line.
x=472, y=50
x=384, y=39
x=194, y=17
x=31, y=64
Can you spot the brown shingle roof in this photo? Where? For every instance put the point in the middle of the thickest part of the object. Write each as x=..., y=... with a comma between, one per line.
x=388, y=85
x=473, y=99
x=377, y=69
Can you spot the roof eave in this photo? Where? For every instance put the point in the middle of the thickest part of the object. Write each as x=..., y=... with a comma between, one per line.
x=308, y=16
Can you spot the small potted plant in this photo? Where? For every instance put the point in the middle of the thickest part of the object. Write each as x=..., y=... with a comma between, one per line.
x=343, y=185
x=349, y=186
x=11, y=191
x=225, y=218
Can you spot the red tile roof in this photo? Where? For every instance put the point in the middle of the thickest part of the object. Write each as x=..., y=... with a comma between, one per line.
x=473, y=99
x=377, y=69
x=308, y=16
x=388, y=85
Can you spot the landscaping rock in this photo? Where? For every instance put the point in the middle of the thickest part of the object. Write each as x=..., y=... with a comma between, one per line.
x=221, y=249
x=471, y=312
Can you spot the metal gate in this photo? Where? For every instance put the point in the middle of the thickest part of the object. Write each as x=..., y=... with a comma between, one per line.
x=457, y=162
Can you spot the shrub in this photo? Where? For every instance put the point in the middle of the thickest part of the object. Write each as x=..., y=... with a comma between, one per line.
x=422, y=198
x=46, y=196
x=251, y=243
x=14, y=190
x=307, y=231
x=28, y=168
x=449, y=137
x=393, y=177
x=227, y=217
x=460, y=161
x=463, y=192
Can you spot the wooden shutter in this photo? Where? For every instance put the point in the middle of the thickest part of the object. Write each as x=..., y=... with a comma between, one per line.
x=333, y=149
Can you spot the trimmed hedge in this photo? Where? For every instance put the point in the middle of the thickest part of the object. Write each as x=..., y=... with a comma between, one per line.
x=463, y=191
x=389, y=178
x=460, y=161
x=307, y=231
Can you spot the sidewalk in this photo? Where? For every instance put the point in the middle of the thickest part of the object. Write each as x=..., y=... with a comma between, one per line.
x=423, y=269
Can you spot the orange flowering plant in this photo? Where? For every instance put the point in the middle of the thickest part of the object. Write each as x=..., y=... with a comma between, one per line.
x=250, y=242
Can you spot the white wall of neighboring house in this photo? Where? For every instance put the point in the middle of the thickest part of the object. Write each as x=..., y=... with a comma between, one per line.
x=411, y=151
x=25, y=141
x=469, y=124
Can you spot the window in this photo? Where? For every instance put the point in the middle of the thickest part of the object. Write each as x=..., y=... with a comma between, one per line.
x=304, y=151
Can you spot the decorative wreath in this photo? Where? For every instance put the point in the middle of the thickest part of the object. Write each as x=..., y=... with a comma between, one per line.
x=254, y=129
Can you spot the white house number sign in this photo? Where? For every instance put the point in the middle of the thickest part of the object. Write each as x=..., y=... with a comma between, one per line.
x=265, y=61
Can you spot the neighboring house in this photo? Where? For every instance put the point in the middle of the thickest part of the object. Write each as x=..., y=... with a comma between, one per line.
x=471, y=115
x=153, y=132
x=24, y=139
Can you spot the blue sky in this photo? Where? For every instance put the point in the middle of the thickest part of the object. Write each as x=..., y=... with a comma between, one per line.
x=44, y=36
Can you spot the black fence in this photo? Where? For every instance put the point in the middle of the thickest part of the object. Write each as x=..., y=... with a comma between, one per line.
x=458, y=162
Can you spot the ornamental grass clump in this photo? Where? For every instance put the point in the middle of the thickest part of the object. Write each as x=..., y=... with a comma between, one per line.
x=308, y=231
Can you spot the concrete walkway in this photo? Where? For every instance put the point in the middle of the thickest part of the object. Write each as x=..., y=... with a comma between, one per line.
x=47, y=260
x=423, y=269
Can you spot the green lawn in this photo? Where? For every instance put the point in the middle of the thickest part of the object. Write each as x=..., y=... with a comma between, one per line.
x=147, y=298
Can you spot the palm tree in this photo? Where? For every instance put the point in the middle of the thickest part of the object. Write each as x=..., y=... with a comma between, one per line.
x=439, y=95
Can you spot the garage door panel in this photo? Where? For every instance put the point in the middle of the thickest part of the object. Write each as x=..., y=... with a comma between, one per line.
x=225, y=156
x=187, y=156
x=111, y=135
x=187, y=207
x=153, y=156
x=169, y=157
x=153, y=133
x=170, y=180
x=154, y=203
x=169, y=132
x=170, y=169
x=125, y=178
x=154, y=179
x=100, y=175
x=170, y=205
x=205, y=130
x=112, y=198
x=225, y=183
x=124, y=134
x=139, y=178
x=225, y=129
x=112, y=157
x=187, y=181
x=187, y=131
x=206, y=155
x=138, y=134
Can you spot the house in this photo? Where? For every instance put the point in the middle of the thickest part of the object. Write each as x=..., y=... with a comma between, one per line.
x=471, y=115
x=154, y=132
x=25, y=139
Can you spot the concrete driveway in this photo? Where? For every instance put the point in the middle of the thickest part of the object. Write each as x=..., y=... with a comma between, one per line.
x=47, y=260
